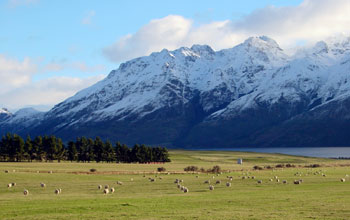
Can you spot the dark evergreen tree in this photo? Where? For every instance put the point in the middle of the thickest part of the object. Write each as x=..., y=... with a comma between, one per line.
x=99, y=150
x=72, y=151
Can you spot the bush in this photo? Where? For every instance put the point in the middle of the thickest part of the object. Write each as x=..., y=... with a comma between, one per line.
x=202, y=170
x=191, y=168
x=279, y=166
x=290, y=165
x=161, y=169
x=257, y=168
x=93, y=170
x=215, y=169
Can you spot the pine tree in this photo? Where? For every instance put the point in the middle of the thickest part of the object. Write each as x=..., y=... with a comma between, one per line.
x=28, y=148
x=72, y=151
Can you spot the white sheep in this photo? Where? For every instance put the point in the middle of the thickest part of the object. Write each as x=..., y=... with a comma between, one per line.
x=26, y=192
x=132, y=179
x=57, y=191
x=207, y=182
x=228, y=184
x=284, y=181
x=278, y=180
x=99, y=187
x=43, y=185
x=342, y=180
x=112, y=190
x=13, y=184
x=185, y=190
x=9, y=185
x=178, y=186
x=259, y=181
x=119, y=183
x=106, y=186
x=50, y=172
x=182, y=188
x=297, y=182
x=218, y=182
x=6, y=171
x=106, y=191
x=253, y=177
x=211, y=187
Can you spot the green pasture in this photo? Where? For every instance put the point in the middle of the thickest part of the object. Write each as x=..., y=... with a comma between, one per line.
x=318, y=197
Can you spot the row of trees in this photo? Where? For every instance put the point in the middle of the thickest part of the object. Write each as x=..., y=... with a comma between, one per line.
x=50, y=148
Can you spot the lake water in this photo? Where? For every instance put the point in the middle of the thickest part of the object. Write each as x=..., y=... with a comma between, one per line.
x=306, y=151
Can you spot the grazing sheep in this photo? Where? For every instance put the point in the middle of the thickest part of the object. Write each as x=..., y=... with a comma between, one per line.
x=119, y=183
x=112, y=190
x=278, y=180
x=26, y=192
x=253, y=177
x=176, y=181
x=181, y=181
x=213, y=177
x=218, y=182
x=271, y=180
x=6, y=171
x=185, y=190
x=228, y=184
x=324, y=175
x=178, y=186
x=57, y=191
x=284, y=181
x=152, y=180
x=105, y=191
x=297, y=182
x=276, y=177
x=60, y=190
x=99, y=187
x=43, y=185
x=50, y=172
x=231, y=179
x=182, y=188
x=300, y=180
x=132, y=179
x=13, y=184
x=259, y=181
x=9, y=185
x=211, y=187
x=244, y=177
x=207, y=181
x=106, y=186
x=342, y=180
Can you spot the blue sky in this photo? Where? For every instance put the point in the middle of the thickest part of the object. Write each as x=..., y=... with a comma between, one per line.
x=50, y=49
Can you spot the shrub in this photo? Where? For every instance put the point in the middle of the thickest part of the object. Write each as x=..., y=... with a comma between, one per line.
x=161, y=169
x=93, y=170
x=279, y=166
x=202, y=170
x=257, y=168
x=215, y=169
x=191, y=168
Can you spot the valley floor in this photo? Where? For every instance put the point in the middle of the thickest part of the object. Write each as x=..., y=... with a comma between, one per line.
x=321, y=195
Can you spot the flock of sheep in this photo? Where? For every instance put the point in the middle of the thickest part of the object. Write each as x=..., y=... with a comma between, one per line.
x=110, y=190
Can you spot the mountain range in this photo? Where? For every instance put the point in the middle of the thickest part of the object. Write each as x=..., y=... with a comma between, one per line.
x=252, y=95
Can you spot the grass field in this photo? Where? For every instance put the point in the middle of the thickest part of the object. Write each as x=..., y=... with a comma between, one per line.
x=318, y=197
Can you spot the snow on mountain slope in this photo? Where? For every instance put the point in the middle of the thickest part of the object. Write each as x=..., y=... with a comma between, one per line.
x=169, y=78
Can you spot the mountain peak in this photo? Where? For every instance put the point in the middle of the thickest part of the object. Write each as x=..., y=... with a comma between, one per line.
x=262, y=42
x=4, y=111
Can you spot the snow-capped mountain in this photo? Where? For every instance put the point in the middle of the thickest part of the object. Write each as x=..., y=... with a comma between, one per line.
x=253, y=94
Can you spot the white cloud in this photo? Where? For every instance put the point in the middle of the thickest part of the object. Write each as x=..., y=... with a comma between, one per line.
x=18, y=89
x=46, y=92
x=14, y=73
x=310, y=21
x=87, y=20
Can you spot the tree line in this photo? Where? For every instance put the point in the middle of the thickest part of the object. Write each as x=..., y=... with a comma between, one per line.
x=49, y=148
